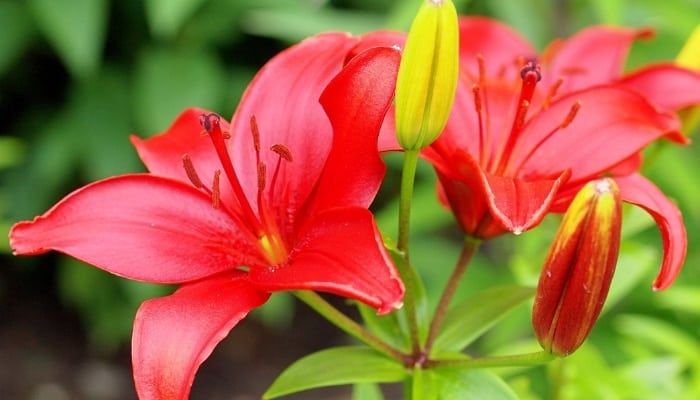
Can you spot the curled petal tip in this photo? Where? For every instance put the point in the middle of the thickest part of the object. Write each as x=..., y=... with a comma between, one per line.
x=388, y=308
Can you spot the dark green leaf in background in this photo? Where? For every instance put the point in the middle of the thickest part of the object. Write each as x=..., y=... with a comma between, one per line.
x=76, y=29
x=169, y=80
x=166, y=17
x=17, y=31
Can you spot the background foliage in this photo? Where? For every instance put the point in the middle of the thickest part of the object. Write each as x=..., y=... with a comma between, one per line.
x=77, y=76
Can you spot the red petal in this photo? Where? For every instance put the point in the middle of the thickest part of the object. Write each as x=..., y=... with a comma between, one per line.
x=338, y=251
x=173, y=335
x=387, y=136
x=141, y=227
x=500, y=46
x=463, y=130
x=367, y=41
x=517, y=205
x=356, y=102
x=638, y=190
x=667, y=86
x=461, y=189
x=283, y=97
x=593, y=56
x=611, y=125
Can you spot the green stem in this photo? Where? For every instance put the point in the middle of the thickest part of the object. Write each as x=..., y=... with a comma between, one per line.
x=518, y=360
x=468, y=250
x=408, y=177
x=348, y=325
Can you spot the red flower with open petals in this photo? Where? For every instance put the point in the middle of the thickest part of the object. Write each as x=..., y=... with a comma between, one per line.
x=526, y=133
x=275, y=201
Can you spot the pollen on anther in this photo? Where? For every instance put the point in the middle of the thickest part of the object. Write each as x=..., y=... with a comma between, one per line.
x=256, y=133
x=476, y=90
x=552, y=92
x=191, y=172
x=282, y=151
x=215, y=192
x=482, y=67
x=571, y=115
x=262, y=171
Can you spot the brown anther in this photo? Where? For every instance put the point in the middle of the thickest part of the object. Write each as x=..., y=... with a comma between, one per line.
x=476, y=90
x=256, y=133
x=282, y=151
x=571, y=115
x=574, y=70
x=552, y=91
x=262, y=171
x=551, y=50
x=191, y=172
x=482, y=67
x=215, y=192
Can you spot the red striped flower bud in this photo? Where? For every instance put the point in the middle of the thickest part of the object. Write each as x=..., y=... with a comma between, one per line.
x=579, y=268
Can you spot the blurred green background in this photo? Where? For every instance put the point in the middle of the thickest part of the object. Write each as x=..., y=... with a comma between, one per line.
x=78, y=76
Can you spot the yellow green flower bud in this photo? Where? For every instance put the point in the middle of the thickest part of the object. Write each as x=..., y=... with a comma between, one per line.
x=427, y=79
x=578, y=269
x=689, y=57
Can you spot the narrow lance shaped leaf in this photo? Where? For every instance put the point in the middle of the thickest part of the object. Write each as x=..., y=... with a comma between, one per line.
x=427, y=80
x=336, y=366
x=579, y=268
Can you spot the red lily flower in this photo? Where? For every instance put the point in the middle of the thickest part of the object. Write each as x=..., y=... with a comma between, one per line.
x=274, y=201
x=525, y=135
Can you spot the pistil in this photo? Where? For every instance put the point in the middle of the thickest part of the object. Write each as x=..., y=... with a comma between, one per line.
x=530, y=75
x=211, y=124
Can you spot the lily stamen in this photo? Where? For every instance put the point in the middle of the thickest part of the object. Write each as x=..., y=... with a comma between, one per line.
x=191, y=172
x=573, y=111
x=552, y=92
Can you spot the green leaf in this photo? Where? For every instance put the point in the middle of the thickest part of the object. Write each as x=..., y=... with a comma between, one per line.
x=5, y=244
x=634, y=265
x=294, y=24
x=609, y=11
x=336, y=366
x=166, y=17
x=659, y=334
x=386, y=327
x=168, y=81
x=459, y=383
x=471, y=317
x=16, y=33
x=682, y=298
x=367, y=391
x=12, y=151
x=76, y=29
